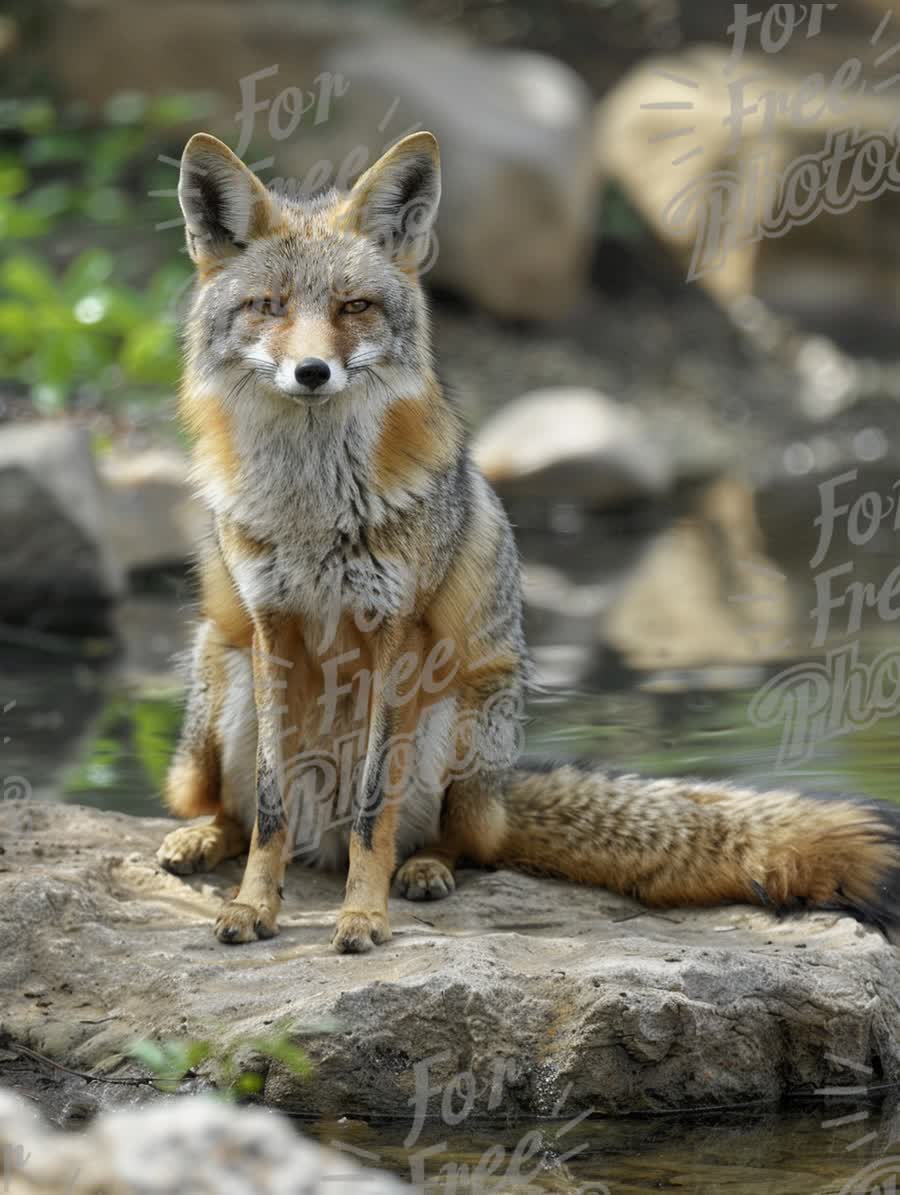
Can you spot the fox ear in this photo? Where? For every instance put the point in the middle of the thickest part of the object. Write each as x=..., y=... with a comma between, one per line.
x=395, y=202
x=225, y=205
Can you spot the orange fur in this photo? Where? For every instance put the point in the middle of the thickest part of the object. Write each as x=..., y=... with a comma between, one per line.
x=416, y=440
x=221, y=602
x=215, y=455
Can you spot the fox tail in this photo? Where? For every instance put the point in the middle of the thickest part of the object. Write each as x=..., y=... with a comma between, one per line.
x=682, y=842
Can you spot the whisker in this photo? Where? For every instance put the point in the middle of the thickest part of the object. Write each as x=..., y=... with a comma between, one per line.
x=238, y=387
x=266, y=368
x=390, y=389
x=360, y=358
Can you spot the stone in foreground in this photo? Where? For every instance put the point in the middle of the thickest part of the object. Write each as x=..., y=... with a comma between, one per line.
x=192, y=1144
x=574, y=998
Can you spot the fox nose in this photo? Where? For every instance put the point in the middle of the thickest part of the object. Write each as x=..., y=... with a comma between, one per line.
x=312, y=372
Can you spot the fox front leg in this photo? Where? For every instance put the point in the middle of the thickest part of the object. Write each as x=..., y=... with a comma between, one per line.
x=363, y=919
x=254, y=911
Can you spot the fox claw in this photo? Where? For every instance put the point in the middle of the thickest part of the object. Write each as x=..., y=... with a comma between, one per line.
x=357, y=933
x=239, y=923
x=425, y=879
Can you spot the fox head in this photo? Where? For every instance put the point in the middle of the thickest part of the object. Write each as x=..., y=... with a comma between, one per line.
x=308, y=299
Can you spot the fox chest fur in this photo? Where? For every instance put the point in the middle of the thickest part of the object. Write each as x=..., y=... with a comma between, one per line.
x=301, y=525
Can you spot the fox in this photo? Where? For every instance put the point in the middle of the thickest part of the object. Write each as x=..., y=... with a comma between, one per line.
x=358, y=672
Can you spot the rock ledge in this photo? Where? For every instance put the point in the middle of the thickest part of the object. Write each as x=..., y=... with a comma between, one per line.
x=575, y=998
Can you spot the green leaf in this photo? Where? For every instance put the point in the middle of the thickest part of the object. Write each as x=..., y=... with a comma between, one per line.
x=197, y=1051
x=151, y=354
x=169, y=1060
x=29, y=278
x=52, y=199
x=54, y=148
x=284, y=1051
x=106, y=205
x=18, y=329
x=17, y=222
x=249, y=1083
x=89, y=270
x=122, y=311
x=33, y=116
x=148, y=1052
x=112, y=151
x=13, y=178
x=56, y=360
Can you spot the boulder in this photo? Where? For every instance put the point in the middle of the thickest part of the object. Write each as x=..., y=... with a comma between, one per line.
x=570, y=998
x=518, y=204
x=574, y=445
x=189, y=46
x=153, y=517
x=59, y=572
x=334, y=87
x=671, y=179
x=191, y=1144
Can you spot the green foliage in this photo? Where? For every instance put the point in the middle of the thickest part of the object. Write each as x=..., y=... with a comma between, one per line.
x=128, y=753
x=156, y=722
x=93, y=276
x=84, y=330
x=170, y=1061
x=175, y=1059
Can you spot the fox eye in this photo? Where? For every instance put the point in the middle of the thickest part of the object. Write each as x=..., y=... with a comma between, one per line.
x=355, y=306
x=265, y=306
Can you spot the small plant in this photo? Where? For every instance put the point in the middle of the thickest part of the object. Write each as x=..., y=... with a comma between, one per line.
x=82, y=333
x=175, y=1059
x=170, y=1061
x=92, y=280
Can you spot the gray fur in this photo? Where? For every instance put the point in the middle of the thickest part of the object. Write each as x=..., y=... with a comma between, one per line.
x=305, y=488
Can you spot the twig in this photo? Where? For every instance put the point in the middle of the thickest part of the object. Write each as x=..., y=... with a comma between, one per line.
x=140, y=1081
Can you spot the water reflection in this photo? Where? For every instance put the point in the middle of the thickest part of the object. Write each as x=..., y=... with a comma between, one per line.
x=799, y=1150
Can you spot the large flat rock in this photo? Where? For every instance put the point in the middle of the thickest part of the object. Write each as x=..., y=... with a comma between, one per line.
x=575, y=998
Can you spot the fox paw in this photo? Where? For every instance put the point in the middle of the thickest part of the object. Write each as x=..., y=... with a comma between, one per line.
x=357, y=933
x=192, y=848
x=239, y=923
x=425, y=879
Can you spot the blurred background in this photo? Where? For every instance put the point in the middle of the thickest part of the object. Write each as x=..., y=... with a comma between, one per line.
x=661, y=443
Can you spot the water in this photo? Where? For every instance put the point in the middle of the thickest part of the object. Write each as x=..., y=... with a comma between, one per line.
x=790, y=1151
x=102, y=734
